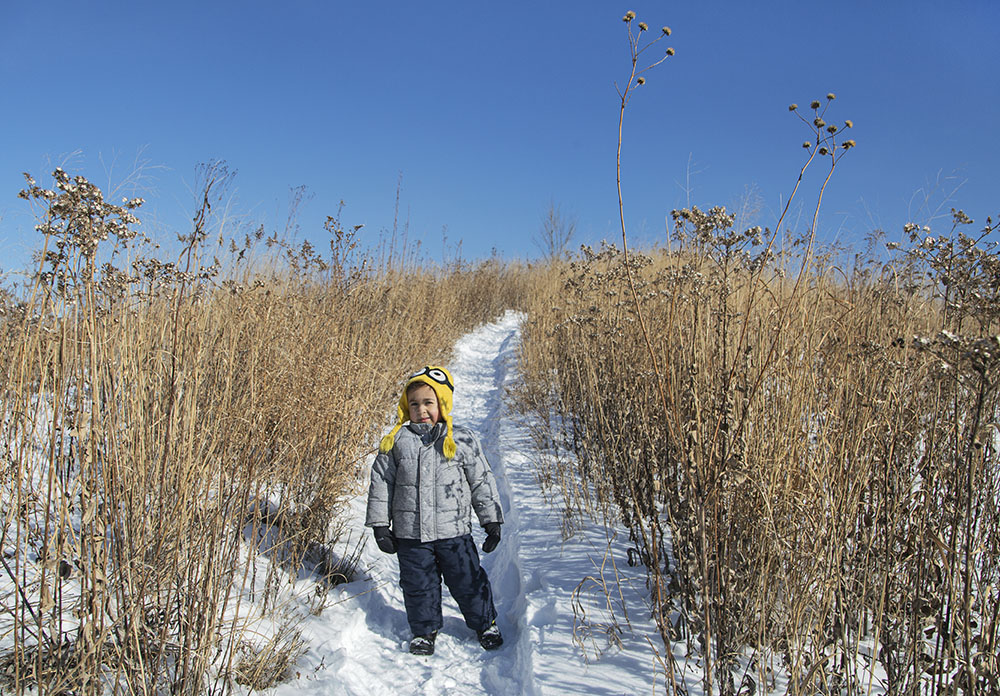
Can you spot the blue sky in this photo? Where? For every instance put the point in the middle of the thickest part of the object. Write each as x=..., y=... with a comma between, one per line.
x=489, y=112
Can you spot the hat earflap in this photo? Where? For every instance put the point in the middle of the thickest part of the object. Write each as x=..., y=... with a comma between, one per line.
x=387, y=442
x=448, y=446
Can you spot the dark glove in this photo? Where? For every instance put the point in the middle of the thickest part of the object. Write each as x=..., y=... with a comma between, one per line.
x=385, y=539
x=492, y=536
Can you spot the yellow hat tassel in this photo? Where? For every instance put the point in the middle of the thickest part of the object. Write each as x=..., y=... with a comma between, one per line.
x=448, y=446
x=387, y=442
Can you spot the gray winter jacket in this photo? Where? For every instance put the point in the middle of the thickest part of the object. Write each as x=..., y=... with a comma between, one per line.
x=424, y=496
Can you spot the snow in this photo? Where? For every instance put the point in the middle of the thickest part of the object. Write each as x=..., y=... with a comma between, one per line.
x=357, y=645
x=573, y=613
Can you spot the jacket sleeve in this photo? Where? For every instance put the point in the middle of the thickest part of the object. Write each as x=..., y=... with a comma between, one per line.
x=380, y=491
x=485, y=497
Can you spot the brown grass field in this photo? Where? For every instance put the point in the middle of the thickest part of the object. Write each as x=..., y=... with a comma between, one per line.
x=803, y=450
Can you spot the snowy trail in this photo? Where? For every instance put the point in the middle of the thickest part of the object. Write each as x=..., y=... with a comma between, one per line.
x=561, y=595
x=357, y=644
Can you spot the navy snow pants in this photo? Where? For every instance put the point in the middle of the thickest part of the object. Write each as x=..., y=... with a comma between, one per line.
x=421, y=567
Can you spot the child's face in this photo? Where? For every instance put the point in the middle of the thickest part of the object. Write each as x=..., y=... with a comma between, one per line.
x=423, y=404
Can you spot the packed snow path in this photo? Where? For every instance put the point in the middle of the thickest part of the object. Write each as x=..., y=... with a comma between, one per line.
x=357, y=644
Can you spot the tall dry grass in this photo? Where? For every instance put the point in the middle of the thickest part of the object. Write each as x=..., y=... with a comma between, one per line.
x=161, y=419
x=804, y=454
x=809, y=471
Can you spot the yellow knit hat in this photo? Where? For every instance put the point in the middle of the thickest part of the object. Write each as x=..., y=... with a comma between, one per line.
x=438, y=379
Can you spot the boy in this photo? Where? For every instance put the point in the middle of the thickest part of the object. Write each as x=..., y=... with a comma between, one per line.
x=426, y=480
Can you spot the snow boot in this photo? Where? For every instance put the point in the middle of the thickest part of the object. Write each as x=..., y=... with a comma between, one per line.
x=423, y=645
x=490, y=639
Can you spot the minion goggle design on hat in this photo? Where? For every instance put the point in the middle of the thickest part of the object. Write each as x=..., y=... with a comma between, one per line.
x=435, y=374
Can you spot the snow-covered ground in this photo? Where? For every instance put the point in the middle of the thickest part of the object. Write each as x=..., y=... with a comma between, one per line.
x=357, y=645
x=561, y=598
x=574, y=614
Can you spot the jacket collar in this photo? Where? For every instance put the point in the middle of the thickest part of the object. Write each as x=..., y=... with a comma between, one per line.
x=428, y=432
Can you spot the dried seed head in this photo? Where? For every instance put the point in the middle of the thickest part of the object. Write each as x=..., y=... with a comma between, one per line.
x=640, y=80
x=848, y=144
x=793, y=107
x=643, y=26
x=666, y=31
x=831, y=129
x=807, y=145
x=670, y=51
x=831, y=96
x=849, y=123
x=823, y=151
x=814, y=104
x=819, y=123
x=629, y=16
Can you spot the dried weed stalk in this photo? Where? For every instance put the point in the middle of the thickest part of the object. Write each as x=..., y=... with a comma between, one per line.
x=167, y=422
x=806, y=463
